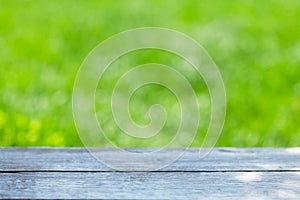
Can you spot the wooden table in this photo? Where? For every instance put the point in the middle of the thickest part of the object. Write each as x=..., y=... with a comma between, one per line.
x=263, y=173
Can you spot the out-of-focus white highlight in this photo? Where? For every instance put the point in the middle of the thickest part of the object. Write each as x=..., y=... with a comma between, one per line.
x=249, y=176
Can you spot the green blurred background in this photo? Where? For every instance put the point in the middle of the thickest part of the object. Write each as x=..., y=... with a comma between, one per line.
x=256, y=45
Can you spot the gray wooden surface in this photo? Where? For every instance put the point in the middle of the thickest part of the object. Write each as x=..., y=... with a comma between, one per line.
x=261, y=173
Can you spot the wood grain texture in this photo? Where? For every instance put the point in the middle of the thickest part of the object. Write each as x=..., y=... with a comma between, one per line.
x=151, y=185
x=234, y=173
x=220, y=159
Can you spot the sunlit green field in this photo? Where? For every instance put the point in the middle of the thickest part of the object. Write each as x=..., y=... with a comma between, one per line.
x=256, y=45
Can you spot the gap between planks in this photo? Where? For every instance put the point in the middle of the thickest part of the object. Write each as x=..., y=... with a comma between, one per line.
x=160, y=171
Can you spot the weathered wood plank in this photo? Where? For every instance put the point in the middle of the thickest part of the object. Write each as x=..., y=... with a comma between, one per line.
x=151, y=185
x=263, y=173
x=220, y=159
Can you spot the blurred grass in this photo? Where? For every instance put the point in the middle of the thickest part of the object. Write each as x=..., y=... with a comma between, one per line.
x=256, y=45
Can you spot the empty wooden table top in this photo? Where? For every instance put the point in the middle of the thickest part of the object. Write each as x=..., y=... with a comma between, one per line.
x=251, y=173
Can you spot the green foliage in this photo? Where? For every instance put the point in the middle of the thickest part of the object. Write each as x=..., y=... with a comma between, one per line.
x=256, y=45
